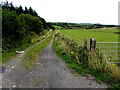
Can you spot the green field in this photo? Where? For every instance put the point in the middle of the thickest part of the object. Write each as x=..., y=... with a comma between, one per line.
x=101, y=35
x=57, y=27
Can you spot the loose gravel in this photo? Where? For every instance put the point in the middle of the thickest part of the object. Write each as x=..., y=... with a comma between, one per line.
x=49, y=72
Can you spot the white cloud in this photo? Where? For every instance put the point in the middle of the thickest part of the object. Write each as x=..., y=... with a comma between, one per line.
x=80, y=11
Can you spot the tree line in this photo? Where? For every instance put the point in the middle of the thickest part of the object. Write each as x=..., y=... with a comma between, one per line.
x=68, y=25
x=18, y=26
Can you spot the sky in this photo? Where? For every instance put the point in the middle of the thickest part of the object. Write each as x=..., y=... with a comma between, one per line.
x=75, y=11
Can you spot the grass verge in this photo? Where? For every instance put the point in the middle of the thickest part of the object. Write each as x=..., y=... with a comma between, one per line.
x=7, y=55
x=31, y=55
x=83, y=69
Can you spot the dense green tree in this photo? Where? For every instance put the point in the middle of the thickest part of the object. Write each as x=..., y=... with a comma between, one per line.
x=12, y=7
x=9, y=27
x=26, y=10
x=18, y=24
x=24, y=22
x=19, y=10
x=5, y=5
x=37, y=27
x=28, y=23
x=43, y=23
x=35, y=13
x=30, y=11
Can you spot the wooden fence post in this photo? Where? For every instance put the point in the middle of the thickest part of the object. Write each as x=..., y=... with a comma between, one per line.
x=92, y=44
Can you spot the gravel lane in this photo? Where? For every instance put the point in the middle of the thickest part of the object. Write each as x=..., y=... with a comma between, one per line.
x=49, y=72
x=55, y=74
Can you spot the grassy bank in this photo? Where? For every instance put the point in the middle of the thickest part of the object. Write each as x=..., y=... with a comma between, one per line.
x=31, y=55
x=35, y=38
x=94, y=65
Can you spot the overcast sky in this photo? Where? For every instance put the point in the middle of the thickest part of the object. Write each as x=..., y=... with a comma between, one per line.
x=78, y=11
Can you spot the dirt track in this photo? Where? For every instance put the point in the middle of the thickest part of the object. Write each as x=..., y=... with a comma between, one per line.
x=49, y=72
